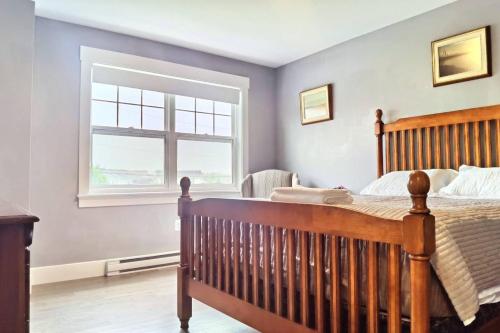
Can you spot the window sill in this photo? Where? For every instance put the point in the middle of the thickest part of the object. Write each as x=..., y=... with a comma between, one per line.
x=148, y=198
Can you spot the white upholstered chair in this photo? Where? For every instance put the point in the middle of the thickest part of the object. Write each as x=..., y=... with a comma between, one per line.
x=262, y=183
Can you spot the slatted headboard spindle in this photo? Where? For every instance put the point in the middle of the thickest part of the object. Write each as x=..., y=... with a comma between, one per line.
x=442, y=140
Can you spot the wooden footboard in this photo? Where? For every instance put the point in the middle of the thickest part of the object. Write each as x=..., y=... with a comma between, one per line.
x=221, y=267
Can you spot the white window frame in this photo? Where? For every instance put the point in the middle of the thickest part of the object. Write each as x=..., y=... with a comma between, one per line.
x=120, y=196
x=174, y=137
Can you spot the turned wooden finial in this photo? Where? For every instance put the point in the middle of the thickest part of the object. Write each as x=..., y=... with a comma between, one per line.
x=379, y=124
x=379, y=133
x=185, y=184
x=419, y=186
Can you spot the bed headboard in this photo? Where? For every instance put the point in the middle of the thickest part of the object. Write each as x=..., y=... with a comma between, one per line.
x=442, y=140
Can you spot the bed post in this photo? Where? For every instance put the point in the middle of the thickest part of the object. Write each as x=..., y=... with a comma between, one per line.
x=420, y=243
x=184, y=302
x=379, y=133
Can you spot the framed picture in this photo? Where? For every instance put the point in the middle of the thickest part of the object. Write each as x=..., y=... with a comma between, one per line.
x=316, y=105
x=462, y=57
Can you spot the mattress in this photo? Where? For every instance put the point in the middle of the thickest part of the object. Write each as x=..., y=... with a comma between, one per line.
x=467, y=257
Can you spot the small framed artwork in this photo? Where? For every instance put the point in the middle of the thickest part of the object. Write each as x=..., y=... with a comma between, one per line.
x=316, y=105
x=462, y=57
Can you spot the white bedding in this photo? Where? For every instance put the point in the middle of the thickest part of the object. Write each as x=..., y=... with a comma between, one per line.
x=395, y=183
x=467, y=258
x=474, y=182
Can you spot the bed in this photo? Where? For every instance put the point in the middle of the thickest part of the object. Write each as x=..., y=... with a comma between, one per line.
x=346, y=268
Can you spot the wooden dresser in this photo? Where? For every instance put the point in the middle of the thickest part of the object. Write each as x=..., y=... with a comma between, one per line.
x=16, y=230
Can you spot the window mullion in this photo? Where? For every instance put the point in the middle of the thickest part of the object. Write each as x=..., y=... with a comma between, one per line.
x=166, y=125
x=172, y=144
x=235, y=145
x=213, y=118
x=195, y=131
x=127, y=132
x=142, y=108
x=198, y=137
x=117, y=105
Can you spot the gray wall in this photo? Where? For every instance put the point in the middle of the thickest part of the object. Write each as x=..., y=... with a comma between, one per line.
x=16, y=63
x=389, y=69
x=66, y=233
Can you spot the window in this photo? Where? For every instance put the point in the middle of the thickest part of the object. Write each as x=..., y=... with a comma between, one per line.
x=147, y=130
x=130, y=138
x=204, y=140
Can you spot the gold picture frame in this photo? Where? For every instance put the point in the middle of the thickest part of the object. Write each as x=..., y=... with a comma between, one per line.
x=462, y=57
x=316, y=105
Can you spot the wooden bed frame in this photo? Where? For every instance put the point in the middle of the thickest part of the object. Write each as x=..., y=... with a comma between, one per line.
x=210, y=232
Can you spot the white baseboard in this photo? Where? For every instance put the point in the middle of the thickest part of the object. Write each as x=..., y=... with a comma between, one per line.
x=67, y=272
x=74, y=271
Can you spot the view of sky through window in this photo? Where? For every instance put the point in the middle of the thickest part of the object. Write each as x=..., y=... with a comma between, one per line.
x=205, y=162
x=127, y=160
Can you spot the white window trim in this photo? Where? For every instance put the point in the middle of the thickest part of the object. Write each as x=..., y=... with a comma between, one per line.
x=147, y=198
x=162, y=195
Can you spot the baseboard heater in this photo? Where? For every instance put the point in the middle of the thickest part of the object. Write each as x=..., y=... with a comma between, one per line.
x=141, y=263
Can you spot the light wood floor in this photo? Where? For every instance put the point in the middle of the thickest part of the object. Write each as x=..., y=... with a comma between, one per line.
x=142, y=302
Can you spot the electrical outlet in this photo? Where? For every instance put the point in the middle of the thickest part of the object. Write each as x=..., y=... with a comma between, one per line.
x=177, y=226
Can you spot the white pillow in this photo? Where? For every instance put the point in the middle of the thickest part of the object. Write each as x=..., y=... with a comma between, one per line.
x=481, y=183
x=396, y=182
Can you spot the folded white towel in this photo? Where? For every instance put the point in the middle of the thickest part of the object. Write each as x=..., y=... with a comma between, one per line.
x=312, y=190
x=301, y=194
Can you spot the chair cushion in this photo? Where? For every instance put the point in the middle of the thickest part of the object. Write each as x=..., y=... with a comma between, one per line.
x=264, y=182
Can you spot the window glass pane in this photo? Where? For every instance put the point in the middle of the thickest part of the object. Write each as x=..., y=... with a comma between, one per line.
x=184, y=121
x=204, y=105
x=104, y=92
x=204, y=123
x=129, y=95
x=223, y=108
x=127, y=160
x=103, y=113
x=184, y=103
x=129, y=116
x=153, y=118
x=153, y=98
x=223, y=125
x=205, y=162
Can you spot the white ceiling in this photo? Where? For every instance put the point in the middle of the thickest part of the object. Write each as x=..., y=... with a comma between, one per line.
x=265, y=32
